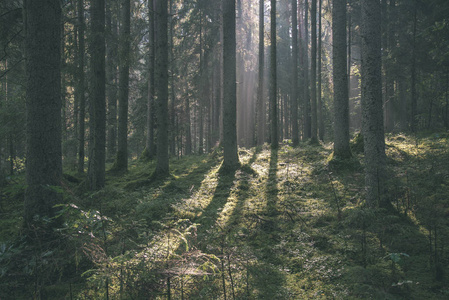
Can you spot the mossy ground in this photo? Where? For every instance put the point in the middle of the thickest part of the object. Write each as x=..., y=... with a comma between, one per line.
x=283, y=226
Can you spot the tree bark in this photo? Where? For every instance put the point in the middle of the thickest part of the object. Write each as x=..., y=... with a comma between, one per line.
x=319, y=96
x=260, y=117
x=373, y=130
x=306, y=106
x=162, y=166
x=294, y=111
x=314, y=119
x=150, y=150
x=80, y=91
x=121, y=162
x=340, y=78
x=230, y=154
x=273, y=79
x=97, y=140
x=111, y=79
x=43, y=111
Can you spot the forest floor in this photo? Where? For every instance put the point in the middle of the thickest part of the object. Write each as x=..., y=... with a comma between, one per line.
x=286, y=225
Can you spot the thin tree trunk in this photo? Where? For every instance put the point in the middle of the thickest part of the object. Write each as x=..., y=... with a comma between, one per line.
x=273, y=79
x=260, y=117
x=307, y=108
x=294, y=111
x=319, y=98
x=80, y=91
x=150, y=150
x=413, y=77
x=162, y=166
x=97, y=140
x=111, y=79
x=314, y=121
x=121, y=162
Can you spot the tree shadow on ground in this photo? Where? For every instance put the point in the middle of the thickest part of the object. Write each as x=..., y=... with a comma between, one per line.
x=268, y=279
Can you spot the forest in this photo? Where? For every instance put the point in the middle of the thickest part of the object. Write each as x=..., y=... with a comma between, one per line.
x=224, y=149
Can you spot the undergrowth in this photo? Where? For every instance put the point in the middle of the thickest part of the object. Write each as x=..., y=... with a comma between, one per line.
x=283, y=226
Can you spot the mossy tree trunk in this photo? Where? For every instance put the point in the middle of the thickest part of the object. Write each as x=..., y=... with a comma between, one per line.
x=273, y=79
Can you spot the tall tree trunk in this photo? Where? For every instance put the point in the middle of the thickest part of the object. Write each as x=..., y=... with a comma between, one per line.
x=43, y=111
x=230, y=154
x=97, y=140
x=173, y=131
x=413, y=76
x=121, y=162
x=373, y=130
x=340, y=78
x=80, y=91
x=260, y=118
x=294, y=111
x=319, y=96
x=314, y=120
x=111, y=79
x=307, y=108
x=162, y=166
x=273, y=79
x=150, y=150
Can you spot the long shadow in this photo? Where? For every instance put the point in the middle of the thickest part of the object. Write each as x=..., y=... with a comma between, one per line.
x=172, y=189
x=268, y=279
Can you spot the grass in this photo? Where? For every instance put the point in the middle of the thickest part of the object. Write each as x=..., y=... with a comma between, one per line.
x=283, y=226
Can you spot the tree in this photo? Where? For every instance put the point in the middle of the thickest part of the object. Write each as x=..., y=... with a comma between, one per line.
x=319, y=98
x=341, y=105
x=260, y=119
x=373, y=130
x=80, y=93
x=97, y=140
x=43, y=109
x=230, y=154
x=149, y=144
x=295, y=131
x=306, y=106
x=161, y=88
x=313, y=114
x=273, y=79
x=121, y=163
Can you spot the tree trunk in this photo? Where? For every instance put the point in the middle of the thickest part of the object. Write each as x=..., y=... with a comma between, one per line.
x=294, y=111
x=373, y=131
x=314, y=120
x=111, y=79
x=150, y=150
x=230, y=154
x=319, y=98
x=97, y=140
x=121, y=163
x=43, y=111
x=307, y=109
x=273, y=79
x=260, y=117
x=80, y=91
x=413, y=77
x=340, y=78
x=162, y=166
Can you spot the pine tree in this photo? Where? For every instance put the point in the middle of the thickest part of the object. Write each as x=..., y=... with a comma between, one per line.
x=230, y=155
x=43, y=110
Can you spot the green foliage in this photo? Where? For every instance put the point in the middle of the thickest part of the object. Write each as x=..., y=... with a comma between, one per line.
x=280, y=227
